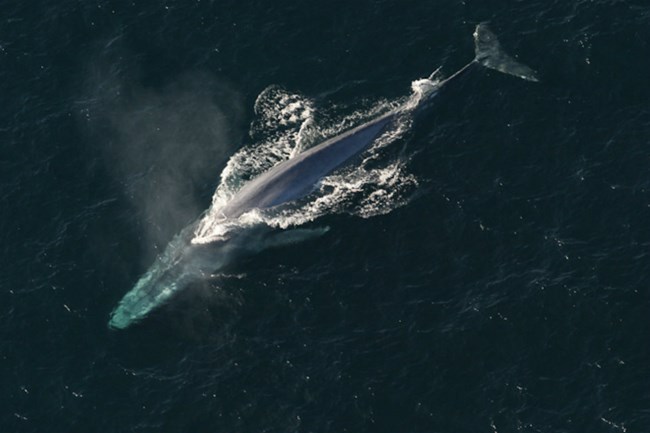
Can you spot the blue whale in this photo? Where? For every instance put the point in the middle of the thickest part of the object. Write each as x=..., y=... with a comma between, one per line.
x=183, y=262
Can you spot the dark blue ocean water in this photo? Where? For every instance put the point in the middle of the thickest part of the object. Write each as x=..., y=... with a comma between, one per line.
x=508, y=293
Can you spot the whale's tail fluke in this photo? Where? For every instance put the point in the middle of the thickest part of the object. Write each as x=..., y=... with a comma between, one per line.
x=490, y=54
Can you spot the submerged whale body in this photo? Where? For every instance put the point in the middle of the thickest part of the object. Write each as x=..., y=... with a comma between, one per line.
x=184, y=261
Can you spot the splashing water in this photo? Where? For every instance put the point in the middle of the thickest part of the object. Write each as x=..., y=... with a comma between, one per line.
x=284, y=127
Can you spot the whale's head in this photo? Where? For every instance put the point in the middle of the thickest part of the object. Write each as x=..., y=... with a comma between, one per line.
x=153, y=289
x=180, y=264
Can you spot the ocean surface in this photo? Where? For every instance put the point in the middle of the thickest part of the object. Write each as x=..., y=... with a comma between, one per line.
x=486, y=269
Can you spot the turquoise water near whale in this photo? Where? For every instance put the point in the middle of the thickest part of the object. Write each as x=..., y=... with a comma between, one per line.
x=487, y=271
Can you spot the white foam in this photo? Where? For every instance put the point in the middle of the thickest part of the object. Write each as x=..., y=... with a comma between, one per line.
x=285, y=126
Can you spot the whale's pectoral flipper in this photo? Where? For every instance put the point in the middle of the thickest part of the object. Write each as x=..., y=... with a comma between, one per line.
x=490, y=54
x=293, y=236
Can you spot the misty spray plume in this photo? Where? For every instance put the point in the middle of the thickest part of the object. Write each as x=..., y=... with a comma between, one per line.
x=165, y=145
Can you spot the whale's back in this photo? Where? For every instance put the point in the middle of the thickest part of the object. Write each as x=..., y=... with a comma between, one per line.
x=294, y=178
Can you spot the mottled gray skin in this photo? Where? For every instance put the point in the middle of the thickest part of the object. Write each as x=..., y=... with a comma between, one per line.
x=297, y=177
